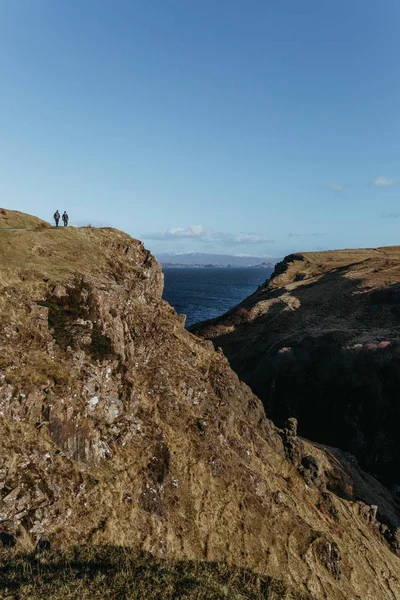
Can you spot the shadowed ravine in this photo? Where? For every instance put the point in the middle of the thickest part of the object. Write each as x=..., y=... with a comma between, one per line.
x=320, y=341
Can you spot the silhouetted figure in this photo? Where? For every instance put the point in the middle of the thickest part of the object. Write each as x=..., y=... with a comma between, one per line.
x=56, y=217
x=65, y=218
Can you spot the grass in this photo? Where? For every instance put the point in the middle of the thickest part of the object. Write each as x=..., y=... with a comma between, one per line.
x=33, y=260
x=31, y=253
x=124, y=574
x=10, y=219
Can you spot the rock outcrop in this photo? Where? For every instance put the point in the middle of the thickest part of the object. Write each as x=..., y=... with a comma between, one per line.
x=320, y=341
x=117, y=426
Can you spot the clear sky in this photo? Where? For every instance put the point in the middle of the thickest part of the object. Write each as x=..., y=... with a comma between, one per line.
x=238, y=126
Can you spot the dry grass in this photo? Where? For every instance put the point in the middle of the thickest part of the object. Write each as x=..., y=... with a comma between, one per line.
x=33, y=253
x=13, y=219
x=213, y=491
x=29, y=255
x=114, y=572
x=312, y=349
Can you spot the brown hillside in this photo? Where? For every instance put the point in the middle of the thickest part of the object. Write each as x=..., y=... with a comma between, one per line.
x=320, y=341
x=119, y=427
x=13, y=219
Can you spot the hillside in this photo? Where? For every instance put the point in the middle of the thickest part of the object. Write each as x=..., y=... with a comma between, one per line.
x=120, y=428
x=13, y=219
x=320, y=341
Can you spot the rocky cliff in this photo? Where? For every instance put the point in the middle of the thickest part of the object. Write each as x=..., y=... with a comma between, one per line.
x=117, y=426
x=320, y=341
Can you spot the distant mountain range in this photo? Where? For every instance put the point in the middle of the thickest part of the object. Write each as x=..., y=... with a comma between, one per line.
x=199, y=259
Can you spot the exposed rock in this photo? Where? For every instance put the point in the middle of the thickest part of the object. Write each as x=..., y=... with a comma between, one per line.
x=291, y=427
x=278, y=497
x=329, y=555
x=323, y=344
x=119, y=427
x=312, y=471
x=291, y=442
x=327, y=504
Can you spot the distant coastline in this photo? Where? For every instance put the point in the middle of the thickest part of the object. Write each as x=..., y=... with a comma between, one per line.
x=204, y=260
x=268, y=265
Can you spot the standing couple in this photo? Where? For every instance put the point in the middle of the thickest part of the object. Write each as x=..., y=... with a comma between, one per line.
x=65, y=218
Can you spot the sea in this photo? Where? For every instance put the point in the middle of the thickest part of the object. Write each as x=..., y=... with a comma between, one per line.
x=205, y=293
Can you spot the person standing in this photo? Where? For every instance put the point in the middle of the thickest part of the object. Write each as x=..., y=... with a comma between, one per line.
x=65, y=218
x=56, y=217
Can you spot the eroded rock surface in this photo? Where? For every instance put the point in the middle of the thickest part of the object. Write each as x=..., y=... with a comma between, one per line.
x=118, y=426
x=320, y=341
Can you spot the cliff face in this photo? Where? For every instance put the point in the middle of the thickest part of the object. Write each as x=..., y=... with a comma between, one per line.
x=320, y=341
x=118, y=426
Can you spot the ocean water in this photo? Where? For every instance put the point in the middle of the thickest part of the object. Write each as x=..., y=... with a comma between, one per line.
x=205, y=293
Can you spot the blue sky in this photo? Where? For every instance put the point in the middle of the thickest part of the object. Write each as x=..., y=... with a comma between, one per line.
x=258, y=127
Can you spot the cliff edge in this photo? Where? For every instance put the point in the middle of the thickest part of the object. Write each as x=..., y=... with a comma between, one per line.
x=117, y=426
x=320, y=341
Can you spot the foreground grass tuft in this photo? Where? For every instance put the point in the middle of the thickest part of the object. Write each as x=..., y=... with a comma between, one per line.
x=125, y=574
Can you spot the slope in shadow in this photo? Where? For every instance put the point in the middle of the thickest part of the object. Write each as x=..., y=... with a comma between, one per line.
x=327, y=352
